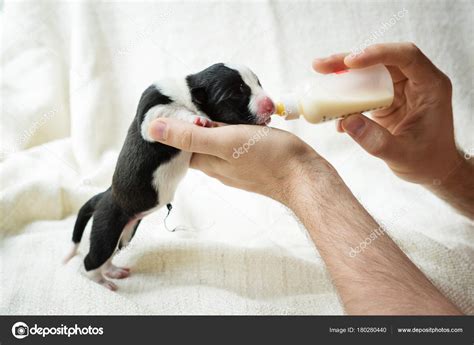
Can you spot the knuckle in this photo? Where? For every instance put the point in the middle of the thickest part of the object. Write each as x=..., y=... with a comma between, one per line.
x=378, y=150
x=379, y=145
x=204, y=141
x=412, y=48
x=187, y=139
x=442, y=83
x=446, y=82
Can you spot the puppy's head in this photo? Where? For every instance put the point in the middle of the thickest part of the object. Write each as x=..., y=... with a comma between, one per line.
x=230, y=94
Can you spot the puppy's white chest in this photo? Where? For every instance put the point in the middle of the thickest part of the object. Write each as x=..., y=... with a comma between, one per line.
x=168, y=175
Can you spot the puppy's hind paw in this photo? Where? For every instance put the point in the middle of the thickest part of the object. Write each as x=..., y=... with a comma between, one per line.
x=115, y=272
x=108, y=284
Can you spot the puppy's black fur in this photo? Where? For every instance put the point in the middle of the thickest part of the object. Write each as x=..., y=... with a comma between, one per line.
x=139, y=159
x=224, y=99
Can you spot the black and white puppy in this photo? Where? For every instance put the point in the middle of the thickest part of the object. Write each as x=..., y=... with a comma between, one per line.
x=147, y=173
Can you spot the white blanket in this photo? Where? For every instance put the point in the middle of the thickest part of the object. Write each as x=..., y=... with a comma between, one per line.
x=72, y=76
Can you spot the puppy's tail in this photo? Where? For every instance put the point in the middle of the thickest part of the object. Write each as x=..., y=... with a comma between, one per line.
x=85, y=213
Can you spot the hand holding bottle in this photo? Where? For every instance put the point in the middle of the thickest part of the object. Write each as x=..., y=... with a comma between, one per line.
x=415, y=135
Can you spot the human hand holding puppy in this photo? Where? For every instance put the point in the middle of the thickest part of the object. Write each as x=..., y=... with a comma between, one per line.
x=270, y=168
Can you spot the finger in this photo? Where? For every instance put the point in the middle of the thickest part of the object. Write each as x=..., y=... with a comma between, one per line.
x=206, y=163
x=219, y=124
x=186, y=136
x=336, y=63
x=339, y=126
x=399, y=100
x=396, y=74
x=390, y=122
x=211, y=166
x=228, y=181
x=372, y=137
x=330, y=64
x=406, y=56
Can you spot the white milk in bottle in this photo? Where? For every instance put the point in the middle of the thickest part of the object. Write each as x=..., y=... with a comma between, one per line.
x=339, y=94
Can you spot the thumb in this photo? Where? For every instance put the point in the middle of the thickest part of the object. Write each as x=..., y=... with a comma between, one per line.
x=185, y=136
x=373, y=138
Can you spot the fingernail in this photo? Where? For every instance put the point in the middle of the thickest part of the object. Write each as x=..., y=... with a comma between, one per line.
x=354, y=125
x=159, y=130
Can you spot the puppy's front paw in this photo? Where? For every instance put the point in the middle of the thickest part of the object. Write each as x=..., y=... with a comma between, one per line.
x=203, y=122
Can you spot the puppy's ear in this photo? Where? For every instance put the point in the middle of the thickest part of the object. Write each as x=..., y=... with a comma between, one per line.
x=199, y=95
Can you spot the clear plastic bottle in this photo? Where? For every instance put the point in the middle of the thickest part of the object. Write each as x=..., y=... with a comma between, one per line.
x=339, y=94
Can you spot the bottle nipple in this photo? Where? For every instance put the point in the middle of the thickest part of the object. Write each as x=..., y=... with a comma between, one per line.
x=280, y=109
x=288, y=108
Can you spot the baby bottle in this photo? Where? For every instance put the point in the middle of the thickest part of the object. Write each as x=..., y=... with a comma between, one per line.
x=335, y=95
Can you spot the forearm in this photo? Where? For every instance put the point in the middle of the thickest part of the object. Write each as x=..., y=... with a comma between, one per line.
x=379, y=280
x=457, y=187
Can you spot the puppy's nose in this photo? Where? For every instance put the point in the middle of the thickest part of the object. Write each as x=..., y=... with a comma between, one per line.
x=266, y=106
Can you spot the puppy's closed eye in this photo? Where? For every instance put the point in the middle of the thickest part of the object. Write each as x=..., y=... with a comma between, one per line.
x=244, y=89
